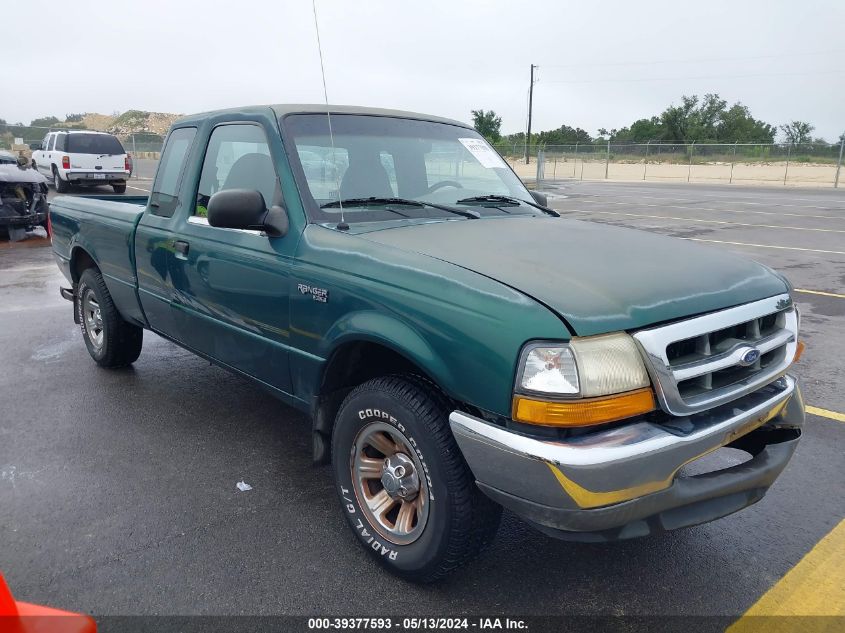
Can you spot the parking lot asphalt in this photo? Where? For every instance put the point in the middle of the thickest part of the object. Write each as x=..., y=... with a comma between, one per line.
x=117, y=488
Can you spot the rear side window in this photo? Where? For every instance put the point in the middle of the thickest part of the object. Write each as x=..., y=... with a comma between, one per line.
x=61, y=142
x=163, y=198
x=93, y=144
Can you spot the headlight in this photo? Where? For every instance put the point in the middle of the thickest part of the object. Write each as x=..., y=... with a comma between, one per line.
x=550, y=370
x=586, y=367
x=589, y=380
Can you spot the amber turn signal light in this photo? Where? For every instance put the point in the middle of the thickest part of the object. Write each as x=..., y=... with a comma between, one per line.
x=584, y=412
x=799, y=349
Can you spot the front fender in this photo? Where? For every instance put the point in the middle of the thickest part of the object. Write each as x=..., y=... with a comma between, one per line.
x=388, y=331
x=463, y=330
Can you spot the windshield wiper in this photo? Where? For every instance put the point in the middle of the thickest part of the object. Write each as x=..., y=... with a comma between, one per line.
x=507, y=200
x=101, y=155
x=363, y=202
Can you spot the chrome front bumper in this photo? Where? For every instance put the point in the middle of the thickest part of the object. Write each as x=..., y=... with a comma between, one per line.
x=623, y=482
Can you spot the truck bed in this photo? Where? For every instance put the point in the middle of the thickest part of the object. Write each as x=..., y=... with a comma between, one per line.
x=104, y=226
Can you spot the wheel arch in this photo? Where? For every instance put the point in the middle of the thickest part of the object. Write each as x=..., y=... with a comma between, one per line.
x=362, y=356
x=80, y=261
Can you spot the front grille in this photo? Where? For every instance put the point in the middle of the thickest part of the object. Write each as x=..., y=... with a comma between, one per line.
x=709, y=360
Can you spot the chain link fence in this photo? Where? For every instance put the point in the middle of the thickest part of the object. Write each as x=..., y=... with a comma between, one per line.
x=31, y=136
x=817, y=164
x=25, y=138
x=804, y=164
x=144, y=148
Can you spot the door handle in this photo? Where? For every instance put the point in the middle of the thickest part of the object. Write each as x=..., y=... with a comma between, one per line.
x=181, y=249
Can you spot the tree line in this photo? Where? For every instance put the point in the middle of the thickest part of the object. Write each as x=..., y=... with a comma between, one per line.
x=706, y=119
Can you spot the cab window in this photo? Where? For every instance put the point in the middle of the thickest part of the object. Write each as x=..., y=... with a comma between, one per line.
x=237, y=157
x=163, y=199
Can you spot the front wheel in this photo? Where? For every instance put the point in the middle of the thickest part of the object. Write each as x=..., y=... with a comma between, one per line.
x=111, y=341
x=405, y=488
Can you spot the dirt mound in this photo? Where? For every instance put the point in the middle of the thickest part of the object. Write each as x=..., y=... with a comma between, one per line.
x=130, y=122
x=140, y=121
x=94, y=121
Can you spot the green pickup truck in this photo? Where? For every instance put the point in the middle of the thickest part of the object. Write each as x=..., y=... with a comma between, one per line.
x=459, y=346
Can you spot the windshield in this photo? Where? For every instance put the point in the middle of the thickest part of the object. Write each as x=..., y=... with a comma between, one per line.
x=93, y=144
x=394, y=158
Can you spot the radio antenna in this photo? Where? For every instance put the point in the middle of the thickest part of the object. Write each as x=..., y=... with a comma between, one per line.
x=342, y=225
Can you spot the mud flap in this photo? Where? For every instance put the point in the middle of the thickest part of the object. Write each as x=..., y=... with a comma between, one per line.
x=70, y=295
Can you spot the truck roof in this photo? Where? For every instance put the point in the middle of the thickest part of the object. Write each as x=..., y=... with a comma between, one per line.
x=83, y=132
x=284, y=109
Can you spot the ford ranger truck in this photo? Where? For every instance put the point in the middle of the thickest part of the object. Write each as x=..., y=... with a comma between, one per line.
x=459, y=346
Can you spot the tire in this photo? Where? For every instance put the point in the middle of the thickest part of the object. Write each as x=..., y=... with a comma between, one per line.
x=62, y=186
x=111, y=341
x=119, y=188
x=450, y=522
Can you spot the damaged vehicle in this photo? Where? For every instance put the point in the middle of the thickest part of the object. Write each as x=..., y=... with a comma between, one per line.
x=458, y=346
x=7, y=158
x=23, y=197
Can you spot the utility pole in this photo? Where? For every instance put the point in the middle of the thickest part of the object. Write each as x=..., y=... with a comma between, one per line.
x=839, y=164
x=530, y=107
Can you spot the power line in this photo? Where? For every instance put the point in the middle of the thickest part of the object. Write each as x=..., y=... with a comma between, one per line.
x=641, y=79
x=692, y=61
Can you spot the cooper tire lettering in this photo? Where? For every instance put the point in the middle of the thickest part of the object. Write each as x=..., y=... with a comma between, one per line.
x=383, y=428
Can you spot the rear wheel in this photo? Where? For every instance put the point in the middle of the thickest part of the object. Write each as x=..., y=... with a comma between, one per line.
x=111, y=341
x=119, y=188
x=406, y=490
x=61, y=186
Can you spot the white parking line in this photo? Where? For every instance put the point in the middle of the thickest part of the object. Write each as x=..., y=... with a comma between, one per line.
x=669, y=217
x=786, y=248
x=776, y=202
x=137, y=188
x=696, y=208
x=698, y=190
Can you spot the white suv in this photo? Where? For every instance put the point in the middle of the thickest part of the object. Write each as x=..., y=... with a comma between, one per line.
x=81, y=157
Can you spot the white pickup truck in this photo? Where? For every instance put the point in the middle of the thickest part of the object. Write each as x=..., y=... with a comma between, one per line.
x=82, y=157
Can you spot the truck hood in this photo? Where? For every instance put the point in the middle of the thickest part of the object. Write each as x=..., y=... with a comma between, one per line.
x=598, y=278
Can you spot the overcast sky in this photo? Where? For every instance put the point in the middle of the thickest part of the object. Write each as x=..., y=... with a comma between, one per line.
x=602, y=64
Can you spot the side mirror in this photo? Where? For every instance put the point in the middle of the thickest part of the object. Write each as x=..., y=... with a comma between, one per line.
x=539, y=198
x=246, y=209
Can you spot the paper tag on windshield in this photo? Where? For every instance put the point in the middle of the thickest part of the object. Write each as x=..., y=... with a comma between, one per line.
x=485, y=154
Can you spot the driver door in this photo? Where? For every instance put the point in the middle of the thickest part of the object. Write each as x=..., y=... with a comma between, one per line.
x=231, y=298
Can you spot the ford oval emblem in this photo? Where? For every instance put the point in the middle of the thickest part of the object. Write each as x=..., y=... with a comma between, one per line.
x=749, y=357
